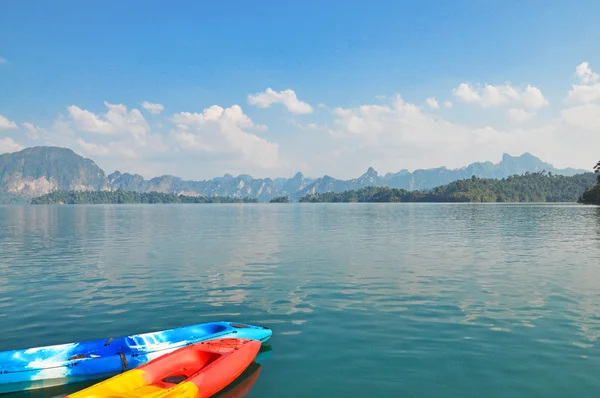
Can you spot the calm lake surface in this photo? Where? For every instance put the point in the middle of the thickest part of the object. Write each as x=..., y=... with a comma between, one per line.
x=381, y=300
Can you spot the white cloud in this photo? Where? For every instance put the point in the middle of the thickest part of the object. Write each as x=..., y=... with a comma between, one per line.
x=30, y=128
x=401, y=126
x=285, y=97
x=466, y=93
x=222, y=132
x=584, y=93
x=116, y=120
x=518, y=115
x=8, y=145
x=153, y=108
x=533, y=98
x=401, y=136
x=33, y=131
x=60, y=133
x=584, y=72
x=87, y=121
x=3, y=60
x=432, y=102
x=490, y=96
x=586, y=116
x=588, y=89
x=114, y=148
x=6, y=124
x=129, y=133
x=214, y=113
x=93, y=149
x=448, y=104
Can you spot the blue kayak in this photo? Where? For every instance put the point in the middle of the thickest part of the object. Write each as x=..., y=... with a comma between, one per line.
x=49, y=366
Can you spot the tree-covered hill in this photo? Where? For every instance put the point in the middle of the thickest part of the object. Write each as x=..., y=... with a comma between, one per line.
x=531, y=187
x=120, y=196
x=592, y=196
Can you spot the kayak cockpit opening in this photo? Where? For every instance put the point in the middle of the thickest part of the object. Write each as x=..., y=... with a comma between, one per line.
x=213, y=328
x=175, y=379
x=239, y=325
x=78, y=356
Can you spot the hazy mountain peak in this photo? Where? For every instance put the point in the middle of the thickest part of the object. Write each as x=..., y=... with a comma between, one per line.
x=245, y=177
x=371, y=172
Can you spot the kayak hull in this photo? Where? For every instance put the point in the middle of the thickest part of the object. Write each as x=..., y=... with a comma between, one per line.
x=198, y=370
x=56, y=365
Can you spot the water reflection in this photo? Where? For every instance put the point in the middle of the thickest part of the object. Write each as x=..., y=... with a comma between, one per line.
x=421, y=285
x=242, y=385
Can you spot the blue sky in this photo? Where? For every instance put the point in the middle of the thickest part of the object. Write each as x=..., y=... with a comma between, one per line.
x=347, y=60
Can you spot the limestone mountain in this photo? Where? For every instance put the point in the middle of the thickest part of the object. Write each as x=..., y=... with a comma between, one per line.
x=421, y=179
x=36, y=171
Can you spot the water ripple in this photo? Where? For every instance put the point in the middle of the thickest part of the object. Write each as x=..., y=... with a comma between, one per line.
x=365, y=299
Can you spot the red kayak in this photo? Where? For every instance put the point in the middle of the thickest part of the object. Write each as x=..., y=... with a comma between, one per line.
x=197, y=370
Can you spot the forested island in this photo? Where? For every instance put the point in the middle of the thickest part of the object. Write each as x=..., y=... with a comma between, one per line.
x=530, y=187
x=127, y=197
x=280, y=199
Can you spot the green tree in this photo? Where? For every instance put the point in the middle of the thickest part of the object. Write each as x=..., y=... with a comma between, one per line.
x=280, y=199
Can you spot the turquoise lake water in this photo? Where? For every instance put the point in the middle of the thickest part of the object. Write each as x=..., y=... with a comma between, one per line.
x=378, y=300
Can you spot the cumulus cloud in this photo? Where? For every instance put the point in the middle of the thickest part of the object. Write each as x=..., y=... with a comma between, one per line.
x=114, y=148
x=448, y=104
x=116, y=120
x=518, y=115
x=490, y=96
x=8, y=145
x=286, y=97
x=33, y=131
x=224, y=131
x=586, y=116
x=60, y=133
x=93, y=149
x=153, y=108
x=6, y=124
x=118, y=133
x=432, y=103
x=401, y=126
x=87, y=121
x=533, y=98
x=584, y=72
x=588, y=88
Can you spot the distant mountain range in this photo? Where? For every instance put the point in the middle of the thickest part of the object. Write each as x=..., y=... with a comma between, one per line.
x=36, y=171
